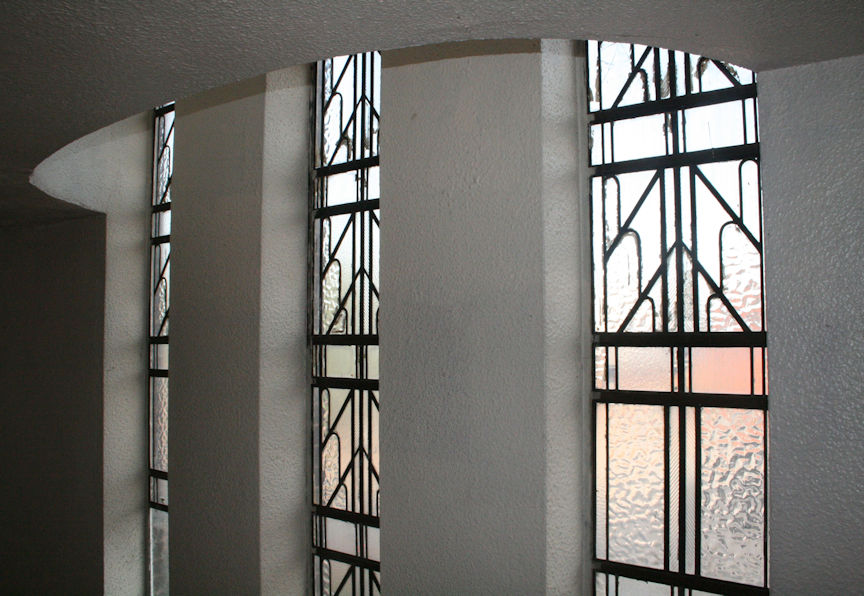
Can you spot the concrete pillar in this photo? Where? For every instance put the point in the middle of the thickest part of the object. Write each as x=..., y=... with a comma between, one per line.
x=480, y=185
x=811, y=123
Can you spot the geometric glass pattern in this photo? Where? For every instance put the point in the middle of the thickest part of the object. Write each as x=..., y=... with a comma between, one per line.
x=160, y=297
x=343, y=326
x=680, y=365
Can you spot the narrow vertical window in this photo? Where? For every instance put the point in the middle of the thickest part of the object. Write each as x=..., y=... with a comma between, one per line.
x=160, y=286
x=680, y=377
x=343, y=333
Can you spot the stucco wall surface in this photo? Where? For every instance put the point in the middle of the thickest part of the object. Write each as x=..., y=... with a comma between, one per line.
x=284, y=400
x=215, y=308
x=812, y=123
x=567, y=317
x=109, y=171
x=462, y=383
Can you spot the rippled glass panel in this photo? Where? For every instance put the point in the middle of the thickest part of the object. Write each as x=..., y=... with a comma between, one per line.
x=733, y=494
x=635, y=470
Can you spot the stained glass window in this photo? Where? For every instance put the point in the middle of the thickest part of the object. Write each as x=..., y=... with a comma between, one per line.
x=344, y=326
x=680, y=373
x=160, y=299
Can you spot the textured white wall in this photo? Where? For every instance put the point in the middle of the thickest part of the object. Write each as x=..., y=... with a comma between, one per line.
x=284, y=404
x=109, y=171
x=215, y=310
x=239, y=395
x=811, y=125
x=567, y=317
x=480, y=354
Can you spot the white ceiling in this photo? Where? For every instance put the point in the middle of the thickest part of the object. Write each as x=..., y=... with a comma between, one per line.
x=70, y=67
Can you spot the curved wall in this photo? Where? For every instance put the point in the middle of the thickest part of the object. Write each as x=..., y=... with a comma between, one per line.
x=810, y=119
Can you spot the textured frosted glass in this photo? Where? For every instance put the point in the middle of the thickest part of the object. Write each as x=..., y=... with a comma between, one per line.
x=331, y=294
x=636, y=484
x=600, y=479
x=674, y=470
x=159, y=423
x=600, y=367
x=633, y=587
x=690, y=491
x=742, y=280
x=600, y=583
x=158, y=552
x=733, y=494
x=622, y=281
x=643, y=369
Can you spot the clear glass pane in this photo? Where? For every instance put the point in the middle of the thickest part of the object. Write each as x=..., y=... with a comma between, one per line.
x=721, y=370
x=733, y=494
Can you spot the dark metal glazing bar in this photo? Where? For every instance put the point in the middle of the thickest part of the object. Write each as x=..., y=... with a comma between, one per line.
x=679, y=160
x=683, y=399
x=680, y=102
x=335, y=555
x=677, y=579
x=370, y=205
x=341, y=168
x=720, y=339
x=345, y=340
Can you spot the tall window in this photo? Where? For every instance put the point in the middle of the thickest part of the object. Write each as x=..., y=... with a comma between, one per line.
x=343, y=326
x=160, y=284
x=680, y=400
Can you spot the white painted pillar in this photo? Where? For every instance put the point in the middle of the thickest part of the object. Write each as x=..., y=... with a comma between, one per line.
x=811, y=123
x=238, y=405
x=482, y=349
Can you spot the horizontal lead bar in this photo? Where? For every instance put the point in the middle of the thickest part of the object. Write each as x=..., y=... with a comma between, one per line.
x=730, y=339
x=159, y=506
x=682, y=580
x=685, y=399
x=349, y=516
x=159, y=207
x=345, y=340
x=159, y=372
x=160, y=474
x=335, y=555
x=160, y=239
x=341, y=168
x=355, y=207
x=158, y=339
x=678, y=160
x=161, y=111
x=345, y=383
x=681, y=102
